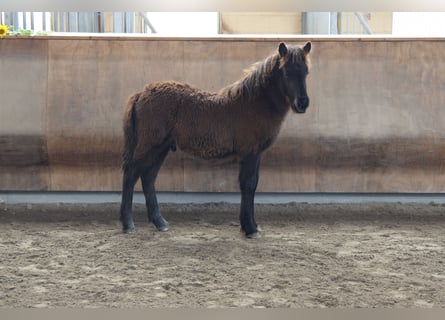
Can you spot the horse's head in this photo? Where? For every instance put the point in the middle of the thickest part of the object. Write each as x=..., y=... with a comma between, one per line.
x=294, y=70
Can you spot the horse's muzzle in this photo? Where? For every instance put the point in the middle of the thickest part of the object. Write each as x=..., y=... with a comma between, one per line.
x=300, y=105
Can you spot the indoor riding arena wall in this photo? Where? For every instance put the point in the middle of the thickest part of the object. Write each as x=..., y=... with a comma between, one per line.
x=376, y=122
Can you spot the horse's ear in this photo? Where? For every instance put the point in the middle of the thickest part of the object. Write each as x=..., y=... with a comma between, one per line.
x=307, y=48
x=282, y=49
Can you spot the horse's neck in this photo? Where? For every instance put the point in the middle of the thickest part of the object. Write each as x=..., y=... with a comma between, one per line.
x=268, y=92
x=259, y=88
x=274, y=95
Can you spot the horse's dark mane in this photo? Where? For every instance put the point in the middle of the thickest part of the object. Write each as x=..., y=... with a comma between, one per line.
x=258, y=76
x=255, y=77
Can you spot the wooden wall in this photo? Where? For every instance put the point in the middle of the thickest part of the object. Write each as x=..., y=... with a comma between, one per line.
x=376, y=121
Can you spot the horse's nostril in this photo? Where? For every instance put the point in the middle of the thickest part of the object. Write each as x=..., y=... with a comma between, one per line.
x=303, y=102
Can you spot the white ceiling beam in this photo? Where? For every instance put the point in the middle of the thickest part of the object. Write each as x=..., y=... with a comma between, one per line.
x=223, y=5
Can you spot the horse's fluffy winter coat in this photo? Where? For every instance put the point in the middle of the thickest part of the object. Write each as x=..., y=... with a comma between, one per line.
x=240, y=120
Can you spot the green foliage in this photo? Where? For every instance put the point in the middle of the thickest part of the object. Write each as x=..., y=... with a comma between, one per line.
x=25, y=32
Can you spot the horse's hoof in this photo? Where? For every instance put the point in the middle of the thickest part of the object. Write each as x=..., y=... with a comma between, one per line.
x=129, y=230
x=255, y=235
x=161, y=224
x=163, y=229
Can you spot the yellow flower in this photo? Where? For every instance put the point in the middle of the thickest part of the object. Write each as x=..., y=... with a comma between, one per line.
x=3, y=30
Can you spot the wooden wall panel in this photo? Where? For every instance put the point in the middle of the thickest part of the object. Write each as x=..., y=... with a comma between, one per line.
x=23, y=86
x=375, y=124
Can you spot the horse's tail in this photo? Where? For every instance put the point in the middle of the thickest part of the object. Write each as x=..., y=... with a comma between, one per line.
x=130, y=136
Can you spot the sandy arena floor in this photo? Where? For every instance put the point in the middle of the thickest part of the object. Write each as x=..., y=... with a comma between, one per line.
x=358, y=255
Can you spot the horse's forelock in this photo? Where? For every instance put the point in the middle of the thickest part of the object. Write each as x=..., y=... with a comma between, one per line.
x=295, y=55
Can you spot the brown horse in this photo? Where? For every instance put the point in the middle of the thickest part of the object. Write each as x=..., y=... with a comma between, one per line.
x=241, y=120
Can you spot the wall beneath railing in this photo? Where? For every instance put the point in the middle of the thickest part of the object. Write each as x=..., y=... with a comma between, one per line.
x=376, y=121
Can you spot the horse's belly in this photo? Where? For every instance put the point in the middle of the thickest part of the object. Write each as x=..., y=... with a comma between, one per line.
x=206, y=148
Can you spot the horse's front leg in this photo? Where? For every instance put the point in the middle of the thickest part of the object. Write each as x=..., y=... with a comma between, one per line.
x=248, y=179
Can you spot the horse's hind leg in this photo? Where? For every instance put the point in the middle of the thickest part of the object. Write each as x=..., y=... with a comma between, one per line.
x=148, y=179
x=248, y=179
x=130, y=178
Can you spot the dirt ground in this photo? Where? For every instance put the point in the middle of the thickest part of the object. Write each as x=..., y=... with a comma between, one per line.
x=355, y=255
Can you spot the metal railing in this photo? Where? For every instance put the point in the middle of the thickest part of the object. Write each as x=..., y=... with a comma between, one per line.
x=335, y=23
x=119, y=22
x=138, y=22
x=355, y=23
